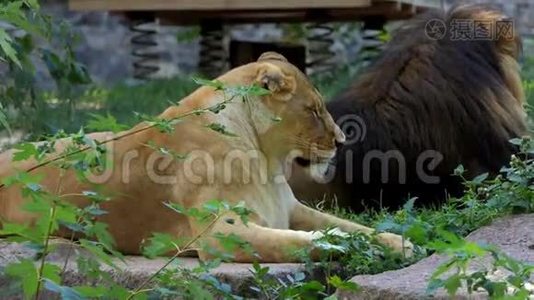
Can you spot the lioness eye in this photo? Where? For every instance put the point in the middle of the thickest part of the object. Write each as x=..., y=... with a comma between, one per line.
x=315, y=114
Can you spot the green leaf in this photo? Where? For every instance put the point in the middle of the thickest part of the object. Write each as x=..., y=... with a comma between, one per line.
x=215, y=206
x=314, y=286
x=67, y=213
x=387, y=225
x=14, y=12
x=25, y=151
x=384, y=36
x=452, y=284
x=231, y=242
x=3, y=120
x=255, y=90
x=441, y=269
x=242, y=211
x=64, y=291
x=27, y=273
x=95, y=197
x=165, y=151
x=217, y=108
x=276, y=119
x=91, y=268
x=326, y=246
x=55, y=64
x=338, y=283
x=160, y=244
x=34, y=4
x=259, y=271
x=98, y=250
x=163, y=125
x=449, y=241
x=105, y=123
x=300, y=276
x=460, y=170
x=433, y=285
x=52, y=272
x=474, y=249
x=176, y=207
x=497, y=290
x=188, y=34
x=7, y=48
x=218, y=85
x=220, y=128
x=78, y=74
x=408, y=206
x=91, y=291
x=100, y=231
x=24, y=231
x=516, y=141
x=118, y=292
x=416, y=233
x=480, y=178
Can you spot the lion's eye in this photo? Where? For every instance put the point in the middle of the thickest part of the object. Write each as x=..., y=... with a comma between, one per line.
x=315, y=114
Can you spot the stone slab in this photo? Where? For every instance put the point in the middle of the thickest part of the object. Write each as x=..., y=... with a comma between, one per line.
x=514, y=235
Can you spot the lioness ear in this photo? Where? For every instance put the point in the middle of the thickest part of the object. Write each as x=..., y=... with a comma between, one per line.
x=271, y=77
x=271, y=56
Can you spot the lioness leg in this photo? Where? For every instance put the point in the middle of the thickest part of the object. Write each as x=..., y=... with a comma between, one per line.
x=268, y=244
x=308, y=219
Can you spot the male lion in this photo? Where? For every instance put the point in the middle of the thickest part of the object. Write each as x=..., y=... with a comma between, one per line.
x=266, y=128
x=435, y=99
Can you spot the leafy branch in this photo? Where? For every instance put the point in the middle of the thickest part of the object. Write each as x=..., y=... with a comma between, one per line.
x=3, y=120
x=462, y=253
x=48, y=234
x=214, y=210
x=165, y=125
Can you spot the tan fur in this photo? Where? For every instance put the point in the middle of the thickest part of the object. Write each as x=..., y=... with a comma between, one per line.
x=279, y=221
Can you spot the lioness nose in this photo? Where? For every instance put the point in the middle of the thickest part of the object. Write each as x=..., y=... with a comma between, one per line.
x=339, y=136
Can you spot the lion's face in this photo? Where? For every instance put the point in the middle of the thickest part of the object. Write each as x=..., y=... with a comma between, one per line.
x=303, y=128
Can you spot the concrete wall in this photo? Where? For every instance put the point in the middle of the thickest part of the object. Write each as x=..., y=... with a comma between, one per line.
x=105, y=48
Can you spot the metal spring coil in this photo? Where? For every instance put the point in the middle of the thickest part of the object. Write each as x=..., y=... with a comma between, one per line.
x=144, y=50
x=321, y=57
x=212, y=52
x=372, y=45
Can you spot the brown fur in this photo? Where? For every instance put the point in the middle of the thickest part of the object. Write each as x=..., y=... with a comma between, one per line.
x=461, y=98
x=279, y=221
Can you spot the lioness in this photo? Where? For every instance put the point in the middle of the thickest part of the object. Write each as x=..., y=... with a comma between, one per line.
x=269, y=127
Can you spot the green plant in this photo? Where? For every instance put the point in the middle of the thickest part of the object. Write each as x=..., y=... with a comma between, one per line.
x=300, y=285
x=18, y=47
x=457, y=273
x=66, y=108
x=13, y=13
x=82, y=156
x=3, y=119
x=485, y=200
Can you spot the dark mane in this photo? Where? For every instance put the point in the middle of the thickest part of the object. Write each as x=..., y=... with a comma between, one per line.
x=458, y=98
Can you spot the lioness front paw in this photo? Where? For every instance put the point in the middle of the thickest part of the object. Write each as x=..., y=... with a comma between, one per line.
x=396, y=242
